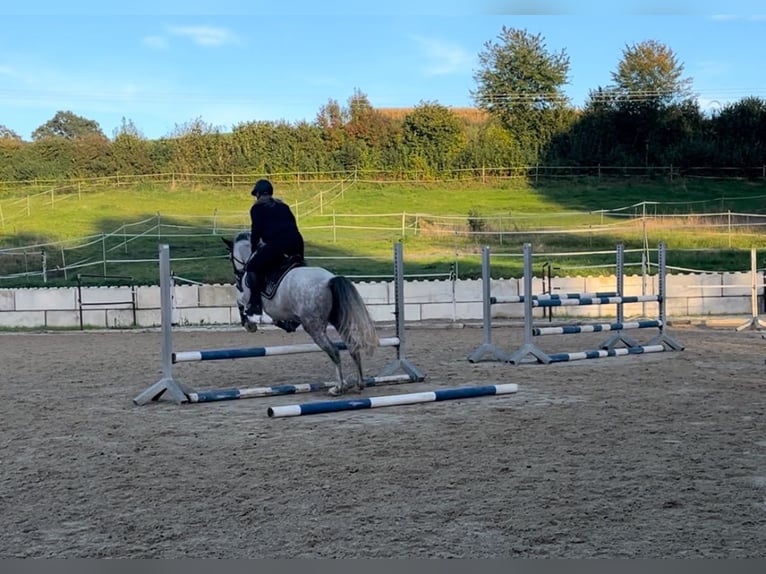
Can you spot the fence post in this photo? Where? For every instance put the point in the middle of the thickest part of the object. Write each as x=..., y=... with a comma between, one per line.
x=729, y=226
x=63, y=262
x=44, y=266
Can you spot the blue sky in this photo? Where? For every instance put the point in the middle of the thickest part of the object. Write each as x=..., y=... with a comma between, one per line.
x=164, y=64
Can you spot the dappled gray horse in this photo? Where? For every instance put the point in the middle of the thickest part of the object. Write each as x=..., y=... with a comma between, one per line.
x=314, y=298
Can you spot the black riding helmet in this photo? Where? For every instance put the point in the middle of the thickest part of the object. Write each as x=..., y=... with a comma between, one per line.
x=262, y=187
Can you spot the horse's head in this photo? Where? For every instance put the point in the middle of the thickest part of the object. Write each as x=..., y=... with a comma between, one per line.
x=239, y=253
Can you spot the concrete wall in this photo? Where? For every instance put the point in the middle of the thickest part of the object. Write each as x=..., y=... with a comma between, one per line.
x=691, y=295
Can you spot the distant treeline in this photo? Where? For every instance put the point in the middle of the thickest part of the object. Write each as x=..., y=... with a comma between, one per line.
x=648, y=116
x=430, y=139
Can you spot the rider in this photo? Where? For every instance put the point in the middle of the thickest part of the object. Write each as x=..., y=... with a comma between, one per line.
x=274, y=235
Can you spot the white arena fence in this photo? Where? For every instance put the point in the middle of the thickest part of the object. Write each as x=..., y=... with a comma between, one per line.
x=736, y=295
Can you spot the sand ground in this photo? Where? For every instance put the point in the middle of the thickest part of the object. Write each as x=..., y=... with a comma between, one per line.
x=653, y=456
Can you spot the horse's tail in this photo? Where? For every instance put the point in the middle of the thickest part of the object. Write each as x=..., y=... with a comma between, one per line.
x=351, y=317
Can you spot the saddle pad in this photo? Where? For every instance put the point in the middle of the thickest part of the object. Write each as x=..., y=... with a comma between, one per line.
x=275, y=276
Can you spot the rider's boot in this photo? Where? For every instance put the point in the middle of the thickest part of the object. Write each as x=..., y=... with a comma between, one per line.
x=254, y=306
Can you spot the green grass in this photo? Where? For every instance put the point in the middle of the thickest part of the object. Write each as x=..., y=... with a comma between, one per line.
x=79, y=225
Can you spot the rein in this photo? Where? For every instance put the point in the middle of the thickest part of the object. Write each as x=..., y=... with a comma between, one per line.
x=238, y=273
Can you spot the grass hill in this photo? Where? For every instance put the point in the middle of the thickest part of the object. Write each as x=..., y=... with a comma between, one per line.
x=351, y=227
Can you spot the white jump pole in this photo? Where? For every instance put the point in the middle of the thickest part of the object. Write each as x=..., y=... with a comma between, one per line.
x=390, y=400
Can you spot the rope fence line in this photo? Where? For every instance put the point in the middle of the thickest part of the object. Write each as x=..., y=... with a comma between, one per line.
x=505, y=227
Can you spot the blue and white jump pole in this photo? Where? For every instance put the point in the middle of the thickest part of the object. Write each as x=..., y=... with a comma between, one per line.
x=596, y=328
x=529, y=352
x=179, y=393
x=390, y=400
x=602, y=353
x=277, y=390
x=253, y=352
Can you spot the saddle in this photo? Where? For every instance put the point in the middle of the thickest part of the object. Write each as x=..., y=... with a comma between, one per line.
x=274, y=276
x=274, y=279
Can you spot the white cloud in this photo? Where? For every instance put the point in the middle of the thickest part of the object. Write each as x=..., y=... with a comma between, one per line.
x=205, y=35
x=444, y=58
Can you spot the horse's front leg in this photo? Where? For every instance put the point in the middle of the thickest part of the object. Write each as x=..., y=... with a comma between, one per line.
x=250, y=326
x=243, y=296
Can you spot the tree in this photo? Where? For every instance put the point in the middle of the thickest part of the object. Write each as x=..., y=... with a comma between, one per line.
x=331, y=119
x=131, y=151
x=199, y=147
x=492, y=146
x=11, y=150
x=648, y=110
x=521, y=83
x=369, y=133
x=68, y=126
x=7, y=134
x=650, y=76
x=433, y=136
x=740, y=132
x=128, y=128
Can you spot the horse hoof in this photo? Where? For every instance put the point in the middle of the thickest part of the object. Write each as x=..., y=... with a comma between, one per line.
x=335, y=391
x=251, y=327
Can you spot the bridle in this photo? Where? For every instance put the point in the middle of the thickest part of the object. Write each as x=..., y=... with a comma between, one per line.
x=239, y=273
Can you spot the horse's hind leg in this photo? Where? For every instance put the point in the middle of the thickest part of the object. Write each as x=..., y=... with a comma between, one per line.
x=357, y=357
x=319, y=335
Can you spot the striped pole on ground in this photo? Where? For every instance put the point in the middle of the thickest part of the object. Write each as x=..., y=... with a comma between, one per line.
x=390, y=400
x=255, y=392
x=601, y=353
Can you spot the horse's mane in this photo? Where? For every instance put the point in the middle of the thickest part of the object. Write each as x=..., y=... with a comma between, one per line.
x=242, y=236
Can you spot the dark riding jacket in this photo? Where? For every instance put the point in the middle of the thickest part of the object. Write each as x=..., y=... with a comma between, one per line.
x=274, y=225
